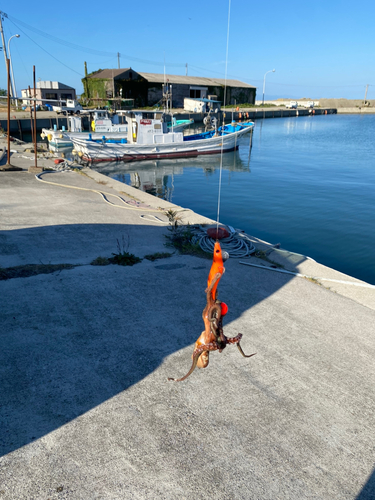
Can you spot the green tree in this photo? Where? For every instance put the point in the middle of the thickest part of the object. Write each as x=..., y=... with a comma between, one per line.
x=3, y=92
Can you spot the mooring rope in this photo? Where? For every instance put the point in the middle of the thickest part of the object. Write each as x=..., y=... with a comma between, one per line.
x=238, y=245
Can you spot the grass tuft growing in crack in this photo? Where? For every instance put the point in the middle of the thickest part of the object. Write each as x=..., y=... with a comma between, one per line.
x=158, y=255
x=180, y=237
x=100, y=261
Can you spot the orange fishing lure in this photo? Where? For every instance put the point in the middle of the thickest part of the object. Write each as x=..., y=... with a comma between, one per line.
x=212, y=338
x=216, y=268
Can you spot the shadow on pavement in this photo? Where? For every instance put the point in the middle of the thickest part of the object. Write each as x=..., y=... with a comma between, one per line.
x=75, y=338
x=368, y=491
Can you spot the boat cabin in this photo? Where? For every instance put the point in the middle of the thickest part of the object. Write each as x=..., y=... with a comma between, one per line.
x=100, y=121
x=150, y=127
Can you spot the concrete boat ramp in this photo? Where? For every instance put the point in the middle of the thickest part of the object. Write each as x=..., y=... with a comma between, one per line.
x=86, y=411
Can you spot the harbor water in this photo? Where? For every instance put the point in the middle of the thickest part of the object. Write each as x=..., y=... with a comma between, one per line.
x=307, y=183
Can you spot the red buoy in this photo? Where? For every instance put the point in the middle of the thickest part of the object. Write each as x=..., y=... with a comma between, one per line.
x=224, y=308
x=217, y=233
x=58, y=160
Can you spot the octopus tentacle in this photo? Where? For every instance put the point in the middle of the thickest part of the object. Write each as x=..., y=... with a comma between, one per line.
x=195, y=360
x=236, y=340
x=197, y=352
x=243, y=354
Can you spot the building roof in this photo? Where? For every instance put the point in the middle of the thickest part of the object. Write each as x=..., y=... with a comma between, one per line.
x=172, y=79
x=193, y=80
x=232, y=83
x=108, y=74
x=47, y=84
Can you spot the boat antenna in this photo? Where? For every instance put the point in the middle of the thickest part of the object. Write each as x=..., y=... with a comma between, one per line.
x=224, y=103
x=165, y=90
x=164, y=68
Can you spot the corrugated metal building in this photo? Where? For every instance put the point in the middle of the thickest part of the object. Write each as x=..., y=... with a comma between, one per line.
x=146, y=88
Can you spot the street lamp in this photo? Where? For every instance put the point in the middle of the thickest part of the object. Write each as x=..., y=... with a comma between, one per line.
x=14, y=91
x=264, y=82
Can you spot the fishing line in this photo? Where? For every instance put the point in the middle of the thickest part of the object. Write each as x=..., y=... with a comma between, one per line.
x=222, y=142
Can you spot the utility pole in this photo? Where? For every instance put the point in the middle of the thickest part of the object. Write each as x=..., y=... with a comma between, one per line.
x=4, y=45
x=118, y=59
x=35, y=169
x=87, y=93
x=35, y=140
x=8, y=104
x=8, y=166
x=366, y=94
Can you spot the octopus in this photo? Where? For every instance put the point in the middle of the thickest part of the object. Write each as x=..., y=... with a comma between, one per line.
x=212, y=338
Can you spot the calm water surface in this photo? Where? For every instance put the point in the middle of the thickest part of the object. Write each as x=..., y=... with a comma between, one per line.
x=308, y=183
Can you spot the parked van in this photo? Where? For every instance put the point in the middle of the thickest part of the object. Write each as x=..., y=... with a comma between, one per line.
x=307, y=104
x=69, y=107
x=292, y=105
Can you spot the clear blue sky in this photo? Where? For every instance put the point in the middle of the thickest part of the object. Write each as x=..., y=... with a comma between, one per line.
x=319, y=49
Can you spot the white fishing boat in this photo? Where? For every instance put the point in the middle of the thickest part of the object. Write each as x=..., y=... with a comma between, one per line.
x=101, y=125
x=148, y=138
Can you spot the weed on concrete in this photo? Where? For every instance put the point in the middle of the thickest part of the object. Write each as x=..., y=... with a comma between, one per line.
x=32, y=270
x=158, y=255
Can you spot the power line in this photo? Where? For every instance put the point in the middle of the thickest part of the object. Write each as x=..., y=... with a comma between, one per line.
x=59, y=40
x=46, y=51
x=86, y=49
x=145, y=61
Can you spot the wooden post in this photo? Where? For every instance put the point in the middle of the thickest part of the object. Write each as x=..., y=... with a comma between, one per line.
x=35, y=169
x=8, y=125
x=35, y=143
x=20, y=129
x=31, y=117
x=8, y=165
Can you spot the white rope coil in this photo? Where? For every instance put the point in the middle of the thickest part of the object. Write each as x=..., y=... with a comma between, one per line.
x=238, y=245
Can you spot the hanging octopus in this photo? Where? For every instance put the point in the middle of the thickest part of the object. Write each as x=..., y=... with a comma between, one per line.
x=212, y=338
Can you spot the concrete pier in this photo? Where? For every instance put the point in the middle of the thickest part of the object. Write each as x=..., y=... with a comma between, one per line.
x=85, y=351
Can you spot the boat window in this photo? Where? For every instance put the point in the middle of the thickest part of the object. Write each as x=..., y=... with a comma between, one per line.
x=157, y=116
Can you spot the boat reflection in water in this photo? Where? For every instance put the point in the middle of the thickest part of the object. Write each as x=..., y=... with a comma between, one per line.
x=157, y=177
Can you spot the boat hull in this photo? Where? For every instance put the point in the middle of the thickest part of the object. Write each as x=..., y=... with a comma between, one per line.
x=157, y=156
x=64, y=139
x=95, y=152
